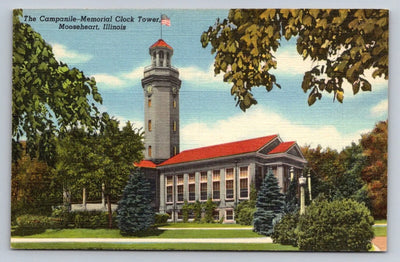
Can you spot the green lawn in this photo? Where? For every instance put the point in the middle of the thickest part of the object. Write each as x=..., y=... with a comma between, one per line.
x=114, y=233
x=196, y=225
x=380, y=231
x=380, y=221
x=157, y=246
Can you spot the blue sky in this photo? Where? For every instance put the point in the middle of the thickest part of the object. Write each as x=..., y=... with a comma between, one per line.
x=207, y=110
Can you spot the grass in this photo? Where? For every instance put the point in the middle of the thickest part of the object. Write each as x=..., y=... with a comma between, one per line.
x=380, y=231
x=114, y=233
x=156, y=246
x=197, y=225
x=380, y=221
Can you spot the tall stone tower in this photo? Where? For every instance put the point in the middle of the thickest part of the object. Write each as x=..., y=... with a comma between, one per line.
x=161, y=86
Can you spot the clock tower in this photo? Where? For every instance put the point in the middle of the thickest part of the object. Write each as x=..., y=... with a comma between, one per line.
x=161, y=86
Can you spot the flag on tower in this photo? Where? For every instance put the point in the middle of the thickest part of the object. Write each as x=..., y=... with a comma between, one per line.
x=165, y=20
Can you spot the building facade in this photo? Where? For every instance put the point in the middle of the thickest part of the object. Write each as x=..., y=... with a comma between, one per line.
x=224, y=173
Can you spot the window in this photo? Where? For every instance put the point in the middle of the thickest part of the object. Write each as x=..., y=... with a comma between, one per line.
x=229, y=182
x=161, y=57
x=169, y=186
x=179, y=188
x=174, y=126
x=149, y=103
x=216, y=185
x=203, y=186
x=174, y=103
x=244, y=182
x=229, y=214
x=149, y=151
x=192, y=187
x=149, y=125
x=175, y=150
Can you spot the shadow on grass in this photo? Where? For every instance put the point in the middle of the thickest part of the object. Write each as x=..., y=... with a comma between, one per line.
x=147, y=233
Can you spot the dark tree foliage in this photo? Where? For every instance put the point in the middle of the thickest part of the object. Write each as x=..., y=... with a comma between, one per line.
x=344, y=42
x=134, y=212
x=269, y=206
x=291, y=201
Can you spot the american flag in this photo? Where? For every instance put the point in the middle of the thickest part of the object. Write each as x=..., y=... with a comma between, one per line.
x=165, y=20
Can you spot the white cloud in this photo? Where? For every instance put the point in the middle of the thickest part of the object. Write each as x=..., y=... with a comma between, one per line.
x=122, y=121
x=200, y=76
x=62, y=53
x=135, y=74
x=262, y=122
x=109, y=80
x=380, y=109
x=289, y=62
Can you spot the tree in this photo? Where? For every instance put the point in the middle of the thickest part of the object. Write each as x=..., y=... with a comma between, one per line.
x=340, y=225
x=270, y=204
x=134, y=212
x=119, y=149
x=33, y=187
x=209, y=208
x=374, y=173
x=94, y=160
x=291, y=201
x=48, y=97
x=344, y=42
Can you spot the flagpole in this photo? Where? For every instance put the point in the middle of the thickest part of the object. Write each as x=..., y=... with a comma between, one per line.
x=161, y=25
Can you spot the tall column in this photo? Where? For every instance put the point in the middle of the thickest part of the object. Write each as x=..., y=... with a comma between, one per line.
x=157, y=59
x=197, y=185
x=302, y=182
x=186, y=186
x=222, y=192
x=162, y=193
x=280, y=176
x=209, y=184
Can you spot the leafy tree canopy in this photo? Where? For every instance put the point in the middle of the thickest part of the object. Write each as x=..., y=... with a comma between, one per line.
x=48, y=97
x=343, y=42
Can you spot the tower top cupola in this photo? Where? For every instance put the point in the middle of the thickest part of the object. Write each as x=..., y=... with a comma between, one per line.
x=161, y=54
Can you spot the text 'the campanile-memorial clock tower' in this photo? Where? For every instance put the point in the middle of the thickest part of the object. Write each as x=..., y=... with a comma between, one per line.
x=161, y=86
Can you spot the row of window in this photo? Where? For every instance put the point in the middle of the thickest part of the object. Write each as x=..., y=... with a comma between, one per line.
x=150, y=153
x=228, y=214
x=149, y=126
x=149, y=103
x=203, y=186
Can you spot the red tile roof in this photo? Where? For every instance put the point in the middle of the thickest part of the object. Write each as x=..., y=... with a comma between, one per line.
x=161, y=43
x=282, y=147
x=228, y=149
x=146, y=163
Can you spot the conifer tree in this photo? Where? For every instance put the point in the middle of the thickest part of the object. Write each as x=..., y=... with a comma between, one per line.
x=270, y=205
x=134, y=212
x=291, y=201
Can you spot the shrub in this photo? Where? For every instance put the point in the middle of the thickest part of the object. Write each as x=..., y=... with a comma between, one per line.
x=161, y=218
x=285, y=232
x=244, y=212
x=197, y=211
x=186, y=209
x=34, y=224
x=91, y=219
x=209, y=208
x=340, y=225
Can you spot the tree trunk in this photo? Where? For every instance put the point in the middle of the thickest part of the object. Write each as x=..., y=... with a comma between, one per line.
x=109, y=211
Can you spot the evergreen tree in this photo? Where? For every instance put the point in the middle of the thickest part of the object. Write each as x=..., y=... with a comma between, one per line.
x=270, y=205
x=291, y=201
x=134, y=212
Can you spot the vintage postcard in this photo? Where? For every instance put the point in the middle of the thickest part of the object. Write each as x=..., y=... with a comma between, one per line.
x=226, y=129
